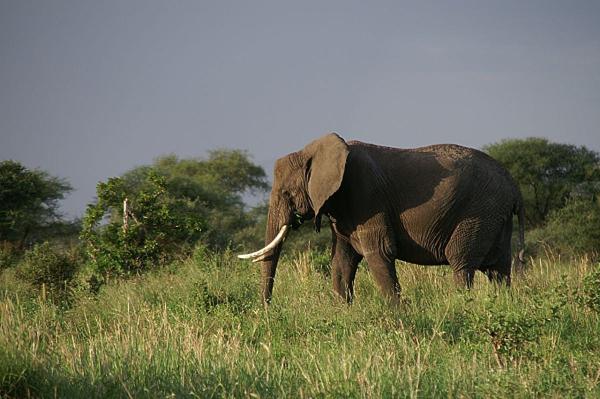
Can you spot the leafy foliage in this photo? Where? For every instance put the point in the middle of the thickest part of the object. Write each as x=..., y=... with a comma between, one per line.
x=157, y=226
x=28, y=201
x=510, y=330
x=213, y=188
x=547, y=172
x=574, y=229
x=590, y=293
x=173, y=204
x=8, y=255
x=47, y=269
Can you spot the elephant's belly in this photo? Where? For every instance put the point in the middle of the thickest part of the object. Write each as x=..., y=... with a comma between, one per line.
x=420, y=258
x=421, y=237
x=411, y=250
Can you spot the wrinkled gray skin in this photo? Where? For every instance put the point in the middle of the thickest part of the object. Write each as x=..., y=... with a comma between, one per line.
x=436, y=205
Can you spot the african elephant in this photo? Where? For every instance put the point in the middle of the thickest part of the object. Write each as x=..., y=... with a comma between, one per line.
x=436, y=205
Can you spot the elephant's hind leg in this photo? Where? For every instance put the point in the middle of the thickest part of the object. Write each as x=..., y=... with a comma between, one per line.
x=498, y=270
x=467, y=248
x=499, y=277
x=344, y=263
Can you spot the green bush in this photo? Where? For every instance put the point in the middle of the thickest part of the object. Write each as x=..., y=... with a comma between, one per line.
x=170, y=206
x=152, y=233
x=321, y=261
x=513, y=331
x=47, y=269
x=201, y=253
x=8, y=255
x=572, y=230
x=590, y=293
x=209, y=191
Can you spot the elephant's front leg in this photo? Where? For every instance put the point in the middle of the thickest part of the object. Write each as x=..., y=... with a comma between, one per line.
x=383, y=271
x=344, y=263
x=379, y=249
x=464, y=278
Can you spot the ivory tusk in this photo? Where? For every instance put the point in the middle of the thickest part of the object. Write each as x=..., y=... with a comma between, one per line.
x=280, y=237
x=260, y=258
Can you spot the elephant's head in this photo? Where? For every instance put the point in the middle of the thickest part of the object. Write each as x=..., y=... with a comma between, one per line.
x=303, y=182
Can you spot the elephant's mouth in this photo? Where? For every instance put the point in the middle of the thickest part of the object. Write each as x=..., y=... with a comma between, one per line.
x=298, y=219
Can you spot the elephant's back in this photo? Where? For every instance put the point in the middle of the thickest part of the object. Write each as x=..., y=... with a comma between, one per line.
x=475, y=165
x=451, y=170
x=457, y=156
x=451, y=156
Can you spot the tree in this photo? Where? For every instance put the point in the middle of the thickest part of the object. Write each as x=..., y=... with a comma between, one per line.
x=547, y=172
x=171, y=205
x=28, y=201
x=215, y=185
x=143, y=230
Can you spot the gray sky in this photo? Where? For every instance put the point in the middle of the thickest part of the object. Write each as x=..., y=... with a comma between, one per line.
x=90, y=89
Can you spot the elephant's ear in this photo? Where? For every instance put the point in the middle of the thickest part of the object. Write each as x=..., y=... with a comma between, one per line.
x=326, y=164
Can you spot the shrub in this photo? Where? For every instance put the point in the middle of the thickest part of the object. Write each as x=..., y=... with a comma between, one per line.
x=321, y=261
x=8, y=255
x=513, y=330
x=209, y=191
x=201, y=253
x=590, y=293
x=151, y=233
x=47, y=270
x=573, y=230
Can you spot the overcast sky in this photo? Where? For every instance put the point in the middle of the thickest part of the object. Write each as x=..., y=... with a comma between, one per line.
x=90, y=89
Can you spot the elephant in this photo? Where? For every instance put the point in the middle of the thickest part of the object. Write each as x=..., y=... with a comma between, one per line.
x=442, y=204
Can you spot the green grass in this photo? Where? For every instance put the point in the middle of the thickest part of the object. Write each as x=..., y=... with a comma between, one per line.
x=199, y=330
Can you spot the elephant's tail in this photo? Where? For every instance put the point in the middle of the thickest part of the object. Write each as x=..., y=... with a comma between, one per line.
x=520, y=211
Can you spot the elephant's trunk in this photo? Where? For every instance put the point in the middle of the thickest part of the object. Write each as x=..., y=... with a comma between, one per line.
x=269, y=263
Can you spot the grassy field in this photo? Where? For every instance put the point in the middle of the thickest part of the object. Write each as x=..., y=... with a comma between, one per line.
x=199, y=330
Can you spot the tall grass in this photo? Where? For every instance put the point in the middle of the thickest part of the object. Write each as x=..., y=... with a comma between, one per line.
x=199, y=330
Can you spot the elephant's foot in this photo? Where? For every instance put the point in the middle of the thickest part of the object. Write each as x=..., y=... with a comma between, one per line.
x=464, y=278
